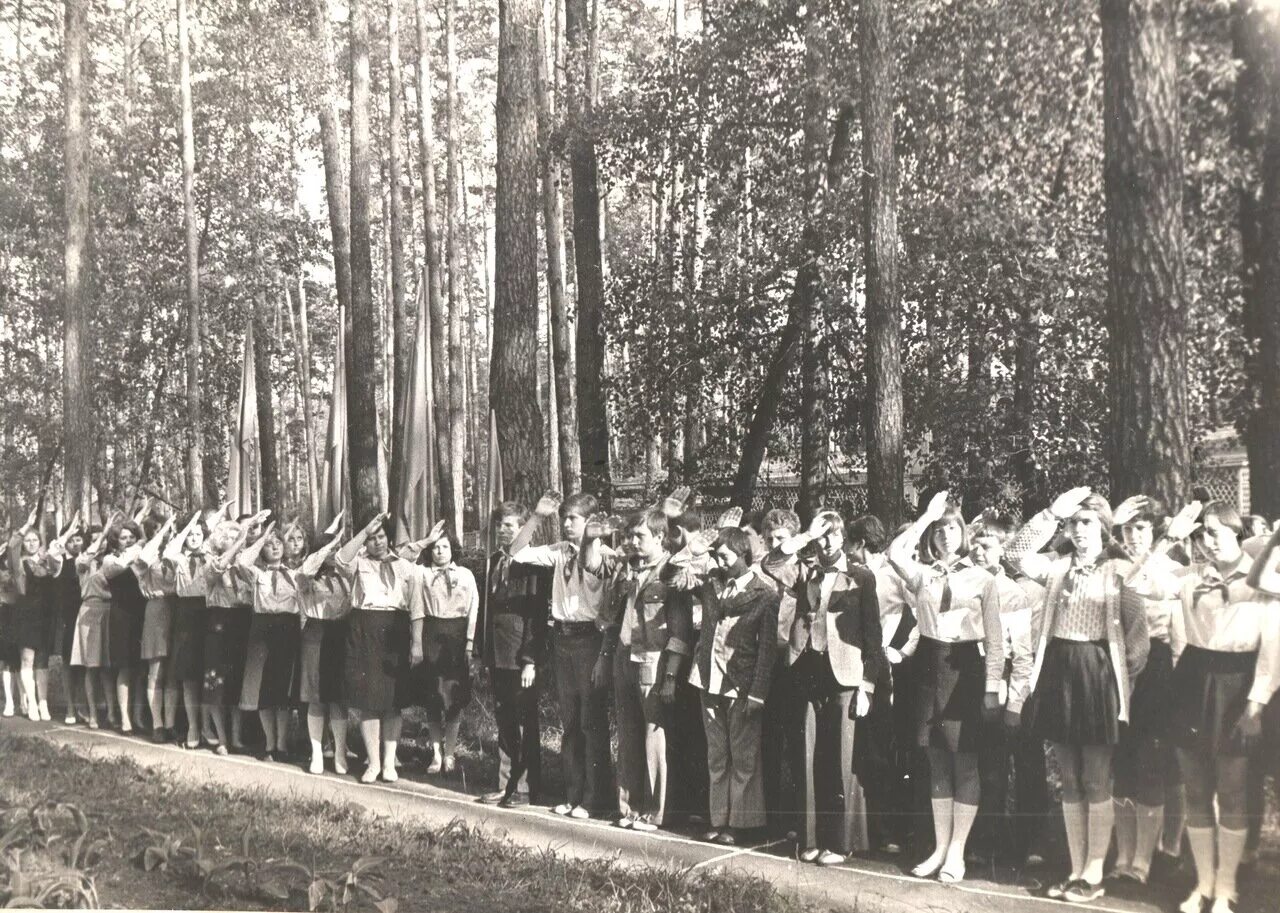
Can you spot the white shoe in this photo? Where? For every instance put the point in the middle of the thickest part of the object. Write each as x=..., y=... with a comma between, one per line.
x=1194, y=903
x=317, y=764
x=370, y=774
x=389, y=775
x=44, y=712
x=340, y=764
x=581, y=814
x=8, y=710
x=563, y=809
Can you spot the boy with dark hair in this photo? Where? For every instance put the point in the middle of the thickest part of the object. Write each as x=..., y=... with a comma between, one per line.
x=655, y=627
x=776, y=526
x=688, y=796
x=515, y=624
x=579, y=600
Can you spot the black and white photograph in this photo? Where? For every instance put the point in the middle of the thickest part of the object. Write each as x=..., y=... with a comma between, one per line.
x=640, y=456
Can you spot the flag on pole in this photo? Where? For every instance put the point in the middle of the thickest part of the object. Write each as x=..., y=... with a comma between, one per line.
x=244, y=482
x=414, y=500
x=333, y=484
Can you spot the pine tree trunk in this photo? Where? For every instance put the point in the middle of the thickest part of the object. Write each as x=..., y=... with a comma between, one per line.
x=457, y=358
x=335, y=178
x=77, y=343
x=593, y=422
x=514, y=363
x=880, y=239
x=268, y=461
x=362, y=346
x=1146, y=271
x=194, y=396
x=814, y=432
x=565, y=396
x=402, y=323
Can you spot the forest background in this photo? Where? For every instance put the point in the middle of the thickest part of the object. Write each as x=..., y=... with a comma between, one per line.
x=659, y=243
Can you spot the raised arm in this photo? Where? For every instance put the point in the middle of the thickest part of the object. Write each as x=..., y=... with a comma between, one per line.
x=901, y=551
x=411, y=550
x=781, y=564
x=249, y=555
x=347, y=554
x=150, y=553
x=173, y=551
x=1024, y=551
x=312, y=563
x=1265, y=574
x=1149, y=576
x=548, y=506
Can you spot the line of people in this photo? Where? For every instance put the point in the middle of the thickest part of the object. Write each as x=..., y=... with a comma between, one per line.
x=830, y=683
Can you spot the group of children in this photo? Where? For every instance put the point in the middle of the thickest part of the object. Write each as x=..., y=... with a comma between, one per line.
x=765, y=678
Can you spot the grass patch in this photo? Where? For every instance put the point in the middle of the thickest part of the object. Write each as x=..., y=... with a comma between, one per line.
x=288, y=844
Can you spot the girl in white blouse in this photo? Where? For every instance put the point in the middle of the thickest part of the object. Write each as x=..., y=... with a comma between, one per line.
x=185, y=555
x=326, y=605
x=961, y=665
x=448, y=645
x=1227, y=643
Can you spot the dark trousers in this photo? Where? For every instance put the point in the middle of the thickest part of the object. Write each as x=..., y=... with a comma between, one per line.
x=779, y=788
x=689, y=787
x=822, y=758
x=584, y=713
x=519, y=739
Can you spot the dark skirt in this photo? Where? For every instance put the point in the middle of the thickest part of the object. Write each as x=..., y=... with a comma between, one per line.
x=1150, y=707
x=186, y=657
x=124, y=633
x=35, y=629
x=157, y=628
x=950, y=683
x=376, y=666
x=442, y=683
x=271, y=662
x=225, y=640
x=9, y=649
x=1209, y=693
x=324, y=650
x=1075, y=701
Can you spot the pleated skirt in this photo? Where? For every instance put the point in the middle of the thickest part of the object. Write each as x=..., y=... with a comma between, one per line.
x=376, y=665
x=1209, y=693
x=1076, y=700
x=271, y=662
x=1150, y=708
x=90, y=647
x=323, y=663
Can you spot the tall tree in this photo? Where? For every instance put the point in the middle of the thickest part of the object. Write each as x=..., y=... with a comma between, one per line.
x=402, y=325
x=268, y=461
x=457, y=357
x=1146, y=270
x=362, y=347
x=1256, y=39
x=814, y=433
x=513, y=367
x=562, y=355
x=880, y=239
x=301, y=333
x=580, y=80
x=195, y=406
x=335, y=178
x=439, y=318
x=77, y=346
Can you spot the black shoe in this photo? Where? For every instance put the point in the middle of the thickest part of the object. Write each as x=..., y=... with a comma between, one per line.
x=726, y=838
x=494, y=798
x=515, y=800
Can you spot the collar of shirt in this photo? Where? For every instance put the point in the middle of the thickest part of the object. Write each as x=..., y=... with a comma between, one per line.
x=737, y=585
x=1211, y=575
x=840, y=565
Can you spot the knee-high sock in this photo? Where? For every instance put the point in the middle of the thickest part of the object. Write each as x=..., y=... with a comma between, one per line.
x=42, y=691
x=7, y=678
x=1202, y=851
x=962, y=821
x=315, y=729
x=1101, y=817
x=1073, y=818
x=1150, y=822
x=1126, y=817
x=27, y=682
x=1230, y=850
x=338, y=723
x=943, y=823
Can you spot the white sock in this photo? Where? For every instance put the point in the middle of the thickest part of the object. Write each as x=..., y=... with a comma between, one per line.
x=942, y=818
x=1150, y=822
x=963, y=815
x=1230, y=849
x=1074, y=821
x=1126, y=832
x=1202, y=851
x=1101, y=818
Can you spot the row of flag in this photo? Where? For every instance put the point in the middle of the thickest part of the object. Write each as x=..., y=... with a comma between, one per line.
x=413, y=507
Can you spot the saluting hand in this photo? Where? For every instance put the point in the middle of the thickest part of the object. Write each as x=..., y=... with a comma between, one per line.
x=1130, y=508
x=1185, y=522
x=1069, y=502
x=549, y=504
x=730, y=518
x=937, y=506
x=674, y=504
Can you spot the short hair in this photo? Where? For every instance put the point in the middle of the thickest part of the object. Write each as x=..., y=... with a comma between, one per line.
x=1153, y=512
x=997, y=524
x=1225, y=513
x=653, y=519
x=833, y=517
x=1102, y=507
x=951, y=515
x=455, y=549
x=582, y=504
x=780, y=518
x=869, y=530
x=510, y=509
x=113, y=534
x=737, y=541
x=689, y=521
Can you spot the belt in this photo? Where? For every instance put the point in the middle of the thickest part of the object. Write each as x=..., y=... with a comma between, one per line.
x=575, y=628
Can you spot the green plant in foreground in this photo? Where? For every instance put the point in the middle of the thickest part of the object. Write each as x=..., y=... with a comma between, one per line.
x=37, y=873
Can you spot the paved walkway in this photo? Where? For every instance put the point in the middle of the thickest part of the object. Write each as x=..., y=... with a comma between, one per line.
x=867, y=886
